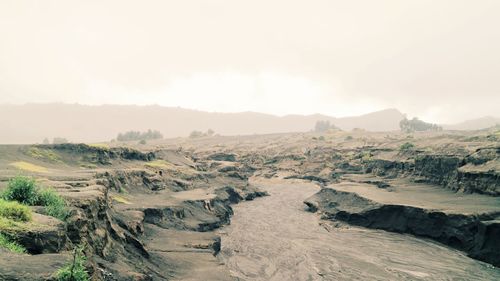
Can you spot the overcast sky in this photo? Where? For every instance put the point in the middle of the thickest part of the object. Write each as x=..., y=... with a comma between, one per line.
x=438, y=59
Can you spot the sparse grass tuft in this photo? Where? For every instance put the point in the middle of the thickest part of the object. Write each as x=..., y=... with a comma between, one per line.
x=10, y=245
x=26, y=166
x=55, y=205
x=407, y=146
x=74, y=271
x=15, y=211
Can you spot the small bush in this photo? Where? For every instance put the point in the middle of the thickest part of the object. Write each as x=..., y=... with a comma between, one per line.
x=21, y=189
x=14, y=211
x=55, y=205
x=10, y=245
x=74, y=271
x=348, y=138
x=406, y=146
x=25, y=191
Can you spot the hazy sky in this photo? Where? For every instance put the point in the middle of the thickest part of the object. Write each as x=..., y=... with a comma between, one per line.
x=437, y=59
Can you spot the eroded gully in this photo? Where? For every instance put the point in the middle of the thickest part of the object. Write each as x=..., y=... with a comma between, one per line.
x=275, y=238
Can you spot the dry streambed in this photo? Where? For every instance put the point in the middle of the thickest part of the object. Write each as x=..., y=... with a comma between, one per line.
x=275, y=238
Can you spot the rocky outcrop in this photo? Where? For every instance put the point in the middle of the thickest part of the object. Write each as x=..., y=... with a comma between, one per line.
x=474, y=173
x=477, y=235
x=221, y=156
x=101, y=155
x=45, y=235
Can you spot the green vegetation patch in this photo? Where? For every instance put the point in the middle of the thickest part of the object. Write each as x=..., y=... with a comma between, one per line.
x=24, y=190
x=407, y=146
x=15, y=211
x=26, y=166
x=12, y=226
x=44, y=154
x=7, y=243
x=55, y=205
x=75, y=270
x=121, y=199
x=21, y=189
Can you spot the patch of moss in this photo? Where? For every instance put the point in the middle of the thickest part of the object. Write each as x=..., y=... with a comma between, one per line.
x=120, y=199
x=26, y=166
x=12, y=226
x=15, y=211
x=44, y=154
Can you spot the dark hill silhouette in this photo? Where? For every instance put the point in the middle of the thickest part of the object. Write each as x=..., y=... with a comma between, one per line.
x=31, y=123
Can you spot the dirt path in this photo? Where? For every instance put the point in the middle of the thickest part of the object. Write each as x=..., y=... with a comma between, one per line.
x=274, y=238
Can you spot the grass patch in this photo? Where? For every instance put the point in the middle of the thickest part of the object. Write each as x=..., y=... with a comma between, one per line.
x=12, y=226
x=74, y=271
x=407, y=146
x=15, y=211
x=10, y=245
x=120, y=199
x=24, y=190
x=26, y=166
x=55, y=205
x=44, y=154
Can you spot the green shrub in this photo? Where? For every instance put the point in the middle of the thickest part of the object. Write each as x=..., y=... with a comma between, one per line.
x=55, y=205
x=75, y=270
x=24, y=190
x=21, y=189
x=406, y=146
x=14, y=211
x=10, y=245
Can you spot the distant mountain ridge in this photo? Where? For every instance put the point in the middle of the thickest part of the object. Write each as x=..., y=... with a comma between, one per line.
x=31, y=123
x=474, y=124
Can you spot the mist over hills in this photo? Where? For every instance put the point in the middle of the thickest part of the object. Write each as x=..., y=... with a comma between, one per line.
x=474, y=124
x=31, y=123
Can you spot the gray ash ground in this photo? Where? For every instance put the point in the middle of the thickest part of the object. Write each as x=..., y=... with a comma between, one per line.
x=275, y=238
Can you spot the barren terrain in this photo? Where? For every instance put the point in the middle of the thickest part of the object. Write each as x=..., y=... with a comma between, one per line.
x=332, y=206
